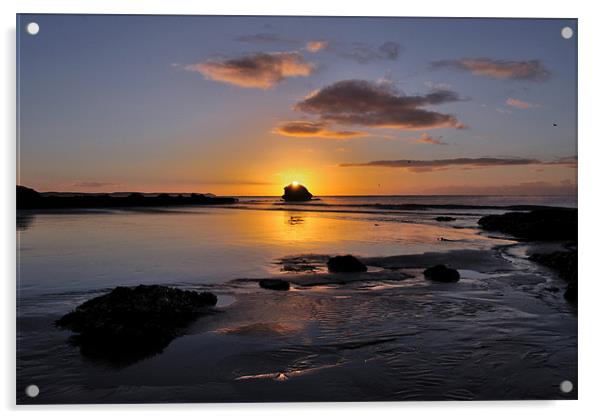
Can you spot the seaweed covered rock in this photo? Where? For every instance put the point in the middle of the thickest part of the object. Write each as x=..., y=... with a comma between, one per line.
x=542, y=224
x=296, y=192
x=565, y=264
x=441, y=273
x=130, y=323
x=345, y=264
x=274, y=284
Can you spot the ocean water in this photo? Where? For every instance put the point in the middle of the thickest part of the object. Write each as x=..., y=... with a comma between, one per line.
x=66, y=257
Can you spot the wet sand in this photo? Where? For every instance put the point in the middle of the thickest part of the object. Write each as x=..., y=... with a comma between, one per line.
x=502, y=332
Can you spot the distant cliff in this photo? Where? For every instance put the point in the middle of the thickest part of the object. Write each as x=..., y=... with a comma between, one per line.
x=28, y=198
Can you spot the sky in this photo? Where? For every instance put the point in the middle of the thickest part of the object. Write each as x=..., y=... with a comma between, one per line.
x=345, y=106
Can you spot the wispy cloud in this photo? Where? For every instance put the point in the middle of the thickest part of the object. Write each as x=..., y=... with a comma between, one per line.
x=364, y=103
x=315, y=46
x=428, y=139
x=462, y=163
x=261, y=70
x=498, y=69
x=365, y=53
x=265, y=38
x=520, y=104
x=315, y=130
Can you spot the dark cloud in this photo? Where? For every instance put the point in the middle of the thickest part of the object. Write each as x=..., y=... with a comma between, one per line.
x=364, y=103
x=461, y=163
x=314, y=129
x=498, y=69
x=261, y=70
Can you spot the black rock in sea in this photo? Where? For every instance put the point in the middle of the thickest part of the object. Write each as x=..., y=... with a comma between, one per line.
x=128, y=324
x=441, y=273
x=443, y=219
x=345, y=264
x=296, y=193
x=565, y=264
x=542, y=224
x=274, y=284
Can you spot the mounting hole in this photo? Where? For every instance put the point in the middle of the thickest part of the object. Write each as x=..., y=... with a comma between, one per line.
x=566, y=32
x=566, y=386
x=32, y=390
x=32, y=28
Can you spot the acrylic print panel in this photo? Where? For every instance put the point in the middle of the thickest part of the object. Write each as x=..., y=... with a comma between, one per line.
x=268, y=209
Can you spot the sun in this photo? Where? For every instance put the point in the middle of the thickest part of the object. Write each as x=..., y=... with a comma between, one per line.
x=295, y=183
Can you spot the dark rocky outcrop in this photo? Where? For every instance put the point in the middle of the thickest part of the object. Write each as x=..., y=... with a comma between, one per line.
x=275, y=284
x=296, y=193
x=551, y=224
x=345, y=264
x=441, y=273
x=565, y=264
x=543, y=224
x=443, y=219
x=128, y=324
x=28, y=198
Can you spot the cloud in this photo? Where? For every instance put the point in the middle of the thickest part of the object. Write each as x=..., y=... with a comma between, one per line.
x=498, y=69
x=94, y=184
x=517, y=103
x=315, y=46
x=428, y=139
x=365, y=53
x=364, y=103
x=261, y=70
x=265, y=38
x=462, y=163
x=315, y=130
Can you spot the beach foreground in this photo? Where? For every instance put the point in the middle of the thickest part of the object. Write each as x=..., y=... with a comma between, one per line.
x=504, y=331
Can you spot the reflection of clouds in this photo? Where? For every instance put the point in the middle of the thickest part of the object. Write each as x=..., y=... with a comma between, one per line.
x=24, y=220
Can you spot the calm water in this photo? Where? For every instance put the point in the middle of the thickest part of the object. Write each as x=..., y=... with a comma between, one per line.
x=91, y=250
x=67, y=257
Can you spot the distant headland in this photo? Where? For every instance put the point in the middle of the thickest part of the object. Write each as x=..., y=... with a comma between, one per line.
x=28, y=198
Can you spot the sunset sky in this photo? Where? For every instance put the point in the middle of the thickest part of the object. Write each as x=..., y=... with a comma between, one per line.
x=346, y=106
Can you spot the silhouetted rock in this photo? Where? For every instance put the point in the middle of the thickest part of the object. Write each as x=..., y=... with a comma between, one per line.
x=131, y=323
x=274, y=284
x=441, y=273
x=30, y=199
x=543, y=224
x=27, y=197
x=296, y=192
x=347, y=263
x=565, y=264
x=444, y=219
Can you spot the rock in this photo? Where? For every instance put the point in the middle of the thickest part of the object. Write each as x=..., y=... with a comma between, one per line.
x=131, y=323
x=28, y=198
x=542, y=224
x=275, y=284
x=347, y=264
x=296, y=192
x=445, y=219
x=565, y=264
x=441, y=273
